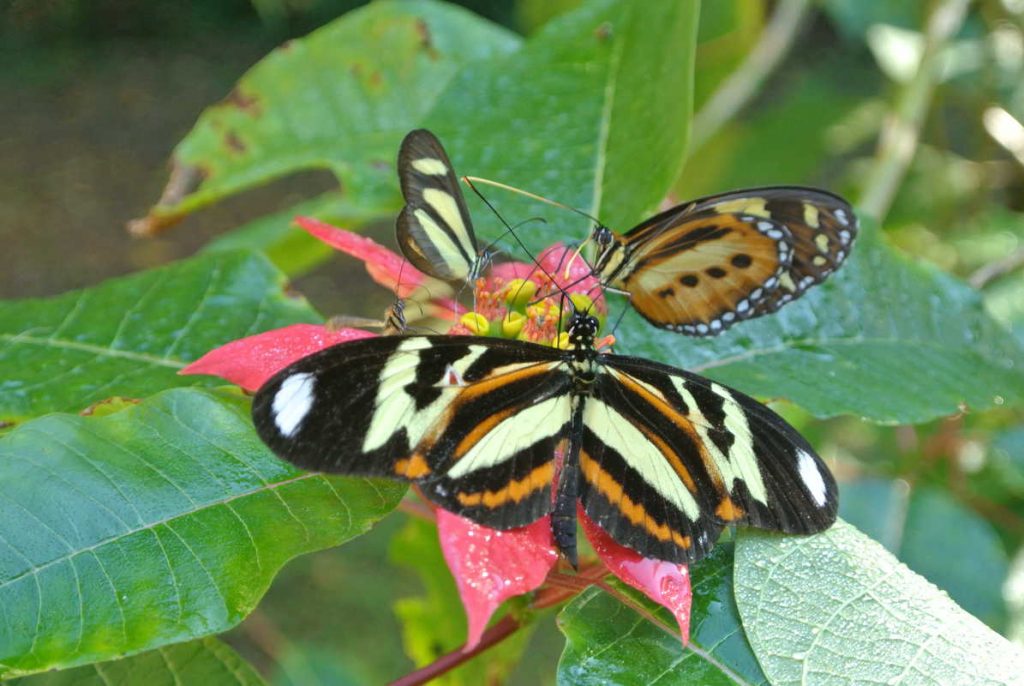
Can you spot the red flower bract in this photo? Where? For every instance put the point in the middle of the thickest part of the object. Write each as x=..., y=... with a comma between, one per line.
x=489, y=566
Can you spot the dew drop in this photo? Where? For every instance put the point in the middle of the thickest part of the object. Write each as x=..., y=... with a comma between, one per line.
x=998, y=400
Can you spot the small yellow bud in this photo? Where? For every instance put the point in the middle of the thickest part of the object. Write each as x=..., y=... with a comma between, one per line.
x=511, y=324
x=519, y=293
x=562, y=342
x=476, y=322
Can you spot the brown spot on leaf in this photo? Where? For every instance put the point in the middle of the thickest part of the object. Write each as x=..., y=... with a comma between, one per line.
x=426, y=41
x=109, y=406
x=234, y=143
x=249, y=104
x=6, y=424
x=603, y=32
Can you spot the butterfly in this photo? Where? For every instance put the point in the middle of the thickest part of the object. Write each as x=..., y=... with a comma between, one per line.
x=434, y=230
x=659, y=458
x=700, y=267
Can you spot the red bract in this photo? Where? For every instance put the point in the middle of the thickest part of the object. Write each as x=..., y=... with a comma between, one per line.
x=489, y=566
x=666, y=583
x=249, y=362
x=492, y=566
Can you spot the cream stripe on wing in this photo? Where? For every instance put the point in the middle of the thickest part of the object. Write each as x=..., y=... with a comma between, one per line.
x=741, y=463
x=514, y=434
x=448, y=250
x=430, y=166
x=446, y=207
x=620, y=435
x=395, y=407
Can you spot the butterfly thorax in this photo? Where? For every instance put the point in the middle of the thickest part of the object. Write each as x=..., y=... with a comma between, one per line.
x=582, y=331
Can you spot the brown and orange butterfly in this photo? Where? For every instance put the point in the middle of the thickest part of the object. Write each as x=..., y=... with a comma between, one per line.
x=700, y=267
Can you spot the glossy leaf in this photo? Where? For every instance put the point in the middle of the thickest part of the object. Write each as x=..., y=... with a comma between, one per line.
x=206, y=661
x=884, y=338
x=130, y=336
x=339, y=99
x=837, y=608
x=157, y=524
x=920, y=526
x=578, y=115
x=607, y=642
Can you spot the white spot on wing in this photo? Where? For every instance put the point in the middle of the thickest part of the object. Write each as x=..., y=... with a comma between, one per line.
x=811, y=476
x=292, y=402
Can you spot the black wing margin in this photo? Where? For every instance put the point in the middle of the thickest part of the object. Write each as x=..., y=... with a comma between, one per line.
x=739, y=461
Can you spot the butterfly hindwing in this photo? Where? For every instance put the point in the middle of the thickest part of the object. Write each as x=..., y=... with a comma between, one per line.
x=434, y=230
x=700, y=267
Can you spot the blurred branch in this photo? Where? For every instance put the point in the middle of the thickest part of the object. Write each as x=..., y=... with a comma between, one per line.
x=497, y=633
x=902, y=128
x=993, y=270
x=744, y=83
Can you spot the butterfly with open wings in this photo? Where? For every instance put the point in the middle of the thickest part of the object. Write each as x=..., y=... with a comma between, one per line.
x=659, y=458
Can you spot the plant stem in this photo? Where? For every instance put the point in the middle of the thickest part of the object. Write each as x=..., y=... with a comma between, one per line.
x=505, y=627
x=746, y=81
x=901, y=131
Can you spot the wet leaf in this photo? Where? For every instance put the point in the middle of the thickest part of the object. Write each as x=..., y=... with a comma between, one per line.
x=160, y=523
x=837, y=608
x=130, y=336
x=205, y=661
x=607, y=642
x=920, y=526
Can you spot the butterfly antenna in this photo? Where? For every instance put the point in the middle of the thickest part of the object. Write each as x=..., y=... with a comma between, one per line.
x=509, y=229
x=528, y=194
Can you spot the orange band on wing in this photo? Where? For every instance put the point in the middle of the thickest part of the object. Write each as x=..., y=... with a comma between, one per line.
x=635, y=512
x=412, y=467
x=728, y=511
x=515, y=490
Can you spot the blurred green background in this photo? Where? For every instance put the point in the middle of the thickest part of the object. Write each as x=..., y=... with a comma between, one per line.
x=96, y=94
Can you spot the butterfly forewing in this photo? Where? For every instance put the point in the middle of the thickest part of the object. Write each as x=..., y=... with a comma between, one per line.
x=434, y=229
x=703, y=266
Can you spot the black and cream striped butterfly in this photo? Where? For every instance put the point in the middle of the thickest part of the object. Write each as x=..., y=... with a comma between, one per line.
x=434, y=230
x=700, y=267
x=659, y=458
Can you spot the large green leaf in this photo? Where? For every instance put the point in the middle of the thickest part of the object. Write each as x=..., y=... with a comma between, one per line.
x=157, y=524
x=837, y=608
x=920, y=527
x=130, y=336
x=339, y=99
x=205, y=661
x=593, y=111
x=608, y=642
x=885, y=338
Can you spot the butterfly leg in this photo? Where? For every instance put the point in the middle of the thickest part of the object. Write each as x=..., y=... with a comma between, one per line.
x=563, y=517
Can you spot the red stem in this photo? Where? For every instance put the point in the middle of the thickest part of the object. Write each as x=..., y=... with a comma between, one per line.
x=504, y=628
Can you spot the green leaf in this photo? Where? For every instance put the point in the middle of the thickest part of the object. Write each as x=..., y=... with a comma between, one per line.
x=607, y=642
x=339, y=99
x=836, y=608
x=130, y=336
x=920, y=527
x=434, y=623
x=160, y=523
x=884, y=338
x=206, y=661
x=593, y=111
